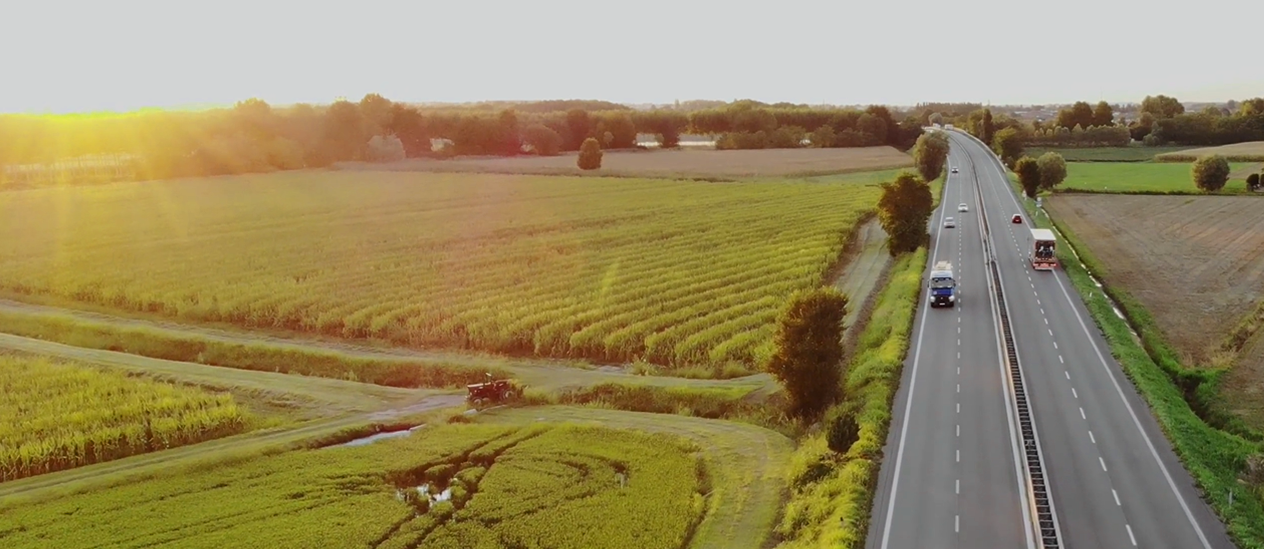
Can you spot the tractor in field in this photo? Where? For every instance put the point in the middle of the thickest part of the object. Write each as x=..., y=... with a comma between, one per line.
x=493, y=391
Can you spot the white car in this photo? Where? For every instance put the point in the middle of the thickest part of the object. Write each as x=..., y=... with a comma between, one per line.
x=962, y=207
x=954, y=169
x=949, y=223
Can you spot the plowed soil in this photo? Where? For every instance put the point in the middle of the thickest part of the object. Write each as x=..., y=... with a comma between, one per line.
x=1195, y=262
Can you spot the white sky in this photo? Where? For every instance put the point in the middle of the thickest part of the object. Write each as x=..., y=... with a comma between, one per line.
x=63, y=56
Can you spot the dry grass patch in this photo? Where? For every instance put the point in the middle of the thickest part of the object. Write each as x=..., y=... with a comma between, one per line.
x=672, y=163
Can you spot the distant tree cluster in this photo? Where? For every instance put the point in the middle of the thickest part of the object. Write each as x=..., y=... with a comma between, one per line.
x=753, y=125
x=1078, y=136
x=904, y=209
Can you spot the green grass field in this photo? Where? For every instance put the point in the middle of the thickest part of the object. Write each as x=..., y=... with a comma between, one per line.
x=675, y=273
x=1144, y=177
x=1105, y=154
x=656, y=483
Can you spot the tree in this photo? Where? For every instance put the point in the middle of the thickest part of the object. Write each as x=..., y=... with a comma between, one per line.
x=890, y=136
x=904, y=210
x=509, y=133
x=930, y=154
x=1142, y=127
x=345, y=134
x=1008, y=145
x=580, y=128
x=1080, y=114
x=1053, y=170
x=823, y=137
x=808, y=351
x=407, y=124
x=1162, y=106
x=1211, y=172
x=589, y=155
x=1028, y=171
x=1253, y=182
x=1103, y=114
x=1251, y=107
x=872, y=125
x=377, y=112
x=936, y=119
x=988, y=128
x=542, y=139
x=385, y=149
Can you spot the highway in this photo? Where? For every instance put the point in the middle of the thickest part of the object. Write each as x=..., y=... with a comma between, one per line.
x=1114, y=479
x=951, y=475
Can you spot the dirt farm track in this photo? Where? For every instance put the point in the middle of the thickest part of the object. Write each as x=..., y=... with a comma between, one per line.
x=1195, y=262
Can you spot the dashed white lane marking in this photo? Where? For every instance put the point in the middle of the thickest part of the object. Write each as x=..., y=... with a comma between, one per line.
x=958, y=369
x=1068, y=374
x=1082, y=413
x=1060, y=359
x=958, y=486
x=958, y=341
x=1074, y=394
x=958, y=407
x=958, y=329
x=958, y=387
x=1112, y=490
x=1130, y=536
x=1046, y=322
x=958, y=429
x=1042, y=311
x=1050, y=331
x=1091, y=437
x=956, y=525
x=1055, y=345
x=958, y=456
x=1102, y=461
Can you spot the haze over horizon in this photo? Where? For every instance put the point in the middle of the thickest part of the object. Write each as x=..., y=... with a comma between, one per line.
x=136, y=54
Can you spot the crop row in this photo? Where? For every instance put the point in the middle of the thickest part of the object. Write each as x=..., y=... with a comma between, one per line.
x=549, y=486
x=679, y=273
x=60, y=416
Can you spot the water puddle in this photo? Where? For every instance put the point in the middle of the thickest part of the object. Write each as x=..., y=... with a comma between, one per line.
x=380, y=436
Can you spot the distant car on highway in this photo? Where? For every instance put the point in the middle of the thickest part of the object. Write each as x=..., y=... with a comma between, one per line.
x=1017, y=218
x=954, y=169
x=962, y=207
x=949, y=223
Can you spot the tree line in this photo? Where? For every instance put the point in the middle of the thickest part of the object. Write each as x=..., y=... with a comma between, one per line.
x=1161, y=120
x=253, y=136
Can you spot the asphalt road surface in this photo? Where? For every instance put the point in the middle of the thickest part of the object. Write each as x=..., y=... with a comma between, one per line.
x=1114, y=479
x=952, y=473
x=951, y=476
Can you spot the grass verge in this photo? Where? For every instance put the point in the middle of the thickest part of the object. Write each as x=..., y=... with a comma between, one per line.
x=258, y=357
x=1214, y=456
x=832, y=494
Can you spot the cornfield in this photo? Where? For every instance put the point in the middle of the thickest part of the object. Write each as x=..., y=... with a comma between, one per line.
x=59, y=416
x=671, y=272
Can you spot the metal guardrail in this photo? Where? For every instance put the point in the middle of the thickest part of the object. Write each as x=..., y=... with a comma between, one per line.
x=1037, y=484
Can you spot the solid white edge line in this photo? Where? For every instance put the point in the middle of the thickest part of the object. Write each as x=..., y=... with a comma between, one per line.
x=1153, y=452
x=1149, y=444
x=1024, y=497
x=1130, y=536
x=908, y=407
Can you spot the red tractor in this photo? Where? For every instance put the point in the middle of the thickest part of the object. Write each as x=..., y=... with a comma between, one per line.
x=492, y=391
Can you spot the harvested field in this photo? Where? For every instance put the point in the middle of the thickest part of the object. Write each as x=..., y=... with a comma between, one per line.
x=671, y=163
x=1251, y=151
x=1105, y=154
x=1195, y=263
